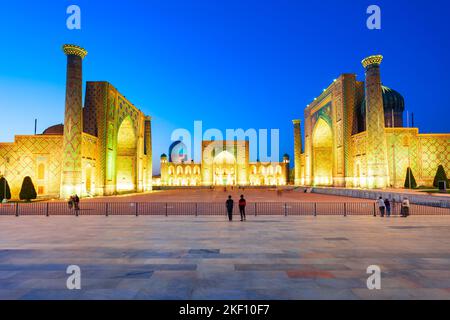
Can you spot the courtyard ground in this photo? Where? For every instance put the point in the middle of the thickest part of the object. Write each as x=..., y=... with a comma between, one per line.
x=210, y=258
x=219, y=195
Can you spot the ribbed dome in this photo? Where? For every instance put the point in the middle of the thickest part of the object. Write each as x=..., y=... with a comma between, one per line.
x=54, y=130
x=392, y=100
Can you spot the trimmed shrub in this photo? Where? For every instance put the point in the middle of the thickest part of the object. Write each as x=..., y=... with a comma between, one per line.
x=410, y=182
x=28, y=192
x=4, y=195
x=440, y=176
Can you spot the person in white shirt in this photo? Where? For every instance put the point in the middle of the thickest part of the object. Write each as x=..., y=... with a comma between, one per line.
x=381, y=206
x=405, y=207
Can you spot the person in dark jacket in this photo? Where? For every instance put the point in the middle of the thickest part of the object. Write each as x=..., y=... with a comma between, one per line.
x=242, y=205
x=230, y=205
x=387, y=203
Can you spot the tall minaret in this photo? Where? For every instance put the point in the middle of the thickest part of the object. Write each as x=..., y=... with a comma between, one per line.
x=377, y=165
x=297, y=151
x=148, y=148
x=71, y=181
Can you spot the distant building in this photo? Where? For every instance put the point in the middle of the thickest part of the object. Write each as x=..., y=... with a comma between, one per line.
x=354, y=137
x=102, y=149
x=224, y=163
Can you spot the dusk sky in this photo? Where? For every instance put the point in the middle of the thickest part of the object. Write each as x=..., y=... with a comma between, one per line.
x=231, y=64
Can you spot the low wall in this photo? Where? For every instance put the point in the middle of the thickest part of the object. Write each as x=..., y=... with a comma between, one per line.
x=425, y=199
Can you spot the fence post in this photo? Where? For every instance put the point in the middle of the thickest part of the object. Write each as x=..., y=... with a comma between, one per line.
x=345, y=209
x=136, y=209
x=196, y=209
x=17, y=209
x=166, y=210
x=256, y=210
x=46, y=212
x=315, y=209
x=107, y=210
x=285, y=210
x=374, y=209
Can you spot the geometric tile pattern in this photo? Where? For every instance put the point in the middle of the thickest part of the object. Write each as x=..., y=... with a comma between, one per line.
x=376, y=140
x=73, y=120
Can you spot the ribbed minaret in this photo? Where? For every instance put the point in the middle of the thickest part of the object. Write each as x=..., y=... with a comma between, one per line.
x=148, y=149
x=71, y=181
x=377, y=166
x=297, y=151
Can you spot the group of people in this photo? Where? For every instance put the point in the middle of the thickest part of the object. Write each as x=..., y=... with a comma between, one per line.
x=230, y=207
x=385, y=206
x=74, y=202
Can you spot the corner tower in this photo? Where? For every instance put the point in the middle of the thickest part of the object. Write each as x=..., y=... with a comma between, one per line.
x=377, y=166
x=71, y=180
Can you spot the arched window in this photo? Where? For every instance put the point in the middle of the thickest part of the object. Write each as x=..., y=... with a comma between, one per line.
x=254, y=170
x=170, y=170
x=188, y=170
x=41, y=171
x=262, y=170
x=271, y=170
x=196, y=170
x=279, y=170
x=179, y=170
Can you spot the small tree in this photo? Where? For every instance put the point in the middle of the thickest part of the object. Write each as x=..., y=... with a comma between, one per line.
x=28, y=192
x=4, y=194
x=440, y=176
x=410, y=182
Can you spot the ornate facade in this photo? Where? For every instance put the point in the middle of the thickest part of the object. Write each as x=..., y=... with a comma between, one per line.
x=102, y=149
x=224, y=163
x=354, y=137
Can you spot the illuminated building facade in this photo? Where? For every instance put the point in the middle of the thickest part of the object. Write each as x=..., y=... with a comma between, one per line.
x=102, y=149
x=354, y=137
x=223, y=164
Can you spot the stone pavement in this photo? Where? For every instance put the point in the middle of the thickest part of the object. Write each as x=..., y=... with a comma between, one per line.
x=210, y=258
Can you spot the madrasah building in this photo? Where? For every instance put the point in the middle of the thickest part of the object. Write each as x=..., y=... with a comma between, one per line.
x=103, y=148
x=354, y=137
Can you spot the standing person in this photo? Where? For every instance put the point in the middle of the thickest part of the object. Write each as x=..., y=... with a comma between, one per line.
x=381, y=206
x=76, y=202
x=405, y=207
x=70, y=203
x=242, y=205
x=387, y=203
x=230, y=205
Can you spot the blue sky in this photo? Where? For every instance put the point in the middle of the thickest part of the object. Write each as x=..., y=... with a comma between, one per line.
x=232, y=64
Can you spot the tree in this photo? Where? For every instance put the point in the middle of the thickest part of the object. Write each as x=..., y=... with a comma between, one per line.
x=410, y=182
x=28, y=192
x=440, y=176
x=4, y=195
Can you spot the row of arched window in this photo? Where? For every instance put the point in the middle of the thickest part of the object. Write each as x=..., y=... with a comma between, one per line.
x=184, y=171
x=267, y=170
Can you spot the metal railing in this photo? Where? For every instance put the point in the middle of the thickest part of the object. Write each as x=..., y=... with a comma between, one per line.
x=210, y=209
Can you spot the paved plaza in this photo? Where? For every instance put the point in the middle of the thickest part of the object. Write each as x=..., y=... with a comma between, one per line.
x=210, y=258
x=221, y=195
